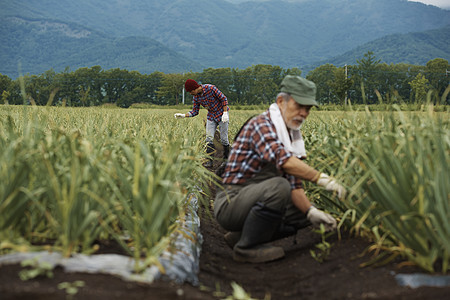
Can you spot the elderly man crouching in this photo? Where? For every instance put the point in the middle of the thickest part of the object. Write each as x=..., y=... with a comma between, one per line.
x=263, y=197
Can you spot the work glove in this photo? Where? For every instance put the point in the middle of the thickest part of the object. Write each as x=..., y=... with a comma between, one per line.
x=179, y=116
x=330, y=184
x=317, y=217
x=225, y=117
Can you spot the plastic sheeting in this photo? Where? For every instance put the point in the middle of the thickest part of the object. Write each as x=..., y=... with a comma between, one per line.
x=180, y=266
x=416, y=280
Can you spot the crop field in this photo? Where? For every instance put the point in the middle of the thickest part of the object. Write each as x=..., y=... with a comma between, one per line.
x=74, y=176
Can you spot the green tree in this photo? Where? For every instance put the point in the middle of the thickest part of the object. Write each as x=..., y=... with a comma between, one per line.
x=117, y=83
x=5, y=83
x=89, y=85
x=5, y=86
x=293, y=71
x=15, y=95
x=240, y=87
x=171, y=88
x=67, y=94
x=266, y=81
x=323, y=76
x=41, y=87
x=436, y=73
x=397, y=85
x=340, y=84
x=130, y=97
x=367, y=71
x=149, y=84
x=5, y=97
x=221, y=77
x=419, y=86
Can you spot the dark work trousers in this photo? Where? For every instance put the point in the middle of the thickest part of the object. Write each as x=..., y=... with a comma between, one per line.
x=232, y=205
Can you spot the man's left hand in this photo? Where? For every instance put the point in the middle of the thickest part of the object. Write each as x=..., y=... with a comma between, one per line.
x=225, y=117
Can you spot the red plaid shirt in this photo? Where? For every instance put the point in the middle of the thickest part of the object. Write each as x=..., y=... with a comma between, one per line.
x=213, y=100
x=256, y=146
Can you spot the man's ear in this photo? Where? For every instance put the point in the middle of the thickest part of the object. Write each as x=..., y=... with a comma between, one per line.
x=280, y=100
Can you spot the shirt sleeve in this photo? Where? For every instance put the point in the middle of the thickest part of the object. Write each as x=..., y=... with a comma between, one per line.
x=256, y=145
x=296, y=183
x=271, y=150
x=195, y=108
x=268, y=146
x=219, y=95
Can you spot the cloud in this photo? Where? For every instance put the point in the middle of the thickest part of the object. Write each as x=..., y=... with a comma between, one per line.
x=438, y=3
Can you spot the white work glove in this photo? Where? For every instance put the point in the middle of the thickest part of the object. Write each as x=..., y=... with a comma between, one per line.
x=225, y=117
x=179, y=116
x=317, y=217
x=330, y=184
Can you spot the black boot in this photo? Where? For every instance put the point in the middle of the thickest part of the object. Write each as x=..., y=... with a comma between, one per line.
x=210, y=152
x=221, y=168
x=259, y=228
x=232, y=237
x=226, y=151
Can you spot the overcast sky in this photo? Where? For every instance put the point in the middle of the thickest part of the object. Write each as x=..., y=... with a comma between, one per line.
x=439, y=3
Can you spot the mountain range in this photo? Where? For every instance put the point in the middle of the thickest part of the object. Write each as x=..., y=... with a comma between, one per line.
x=37, y=45
x=415, y=48
x=182, y=36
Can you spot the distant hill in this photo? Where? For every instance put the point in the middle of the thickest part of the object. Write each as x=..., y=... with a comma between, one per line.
x=413, y=48
x=35, y=46
x=218, y=33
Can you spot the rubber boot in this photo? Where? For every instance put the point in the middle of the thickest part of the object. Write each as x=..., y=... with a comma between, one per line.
x=259, y=227
x=232, y=237
x=210, y=151
x=284, y=231
x=226, y=152
x=221, y=168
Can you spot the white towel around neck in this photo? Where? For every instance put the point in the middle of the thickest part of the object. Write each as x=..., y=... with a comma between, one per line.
x=291, y=139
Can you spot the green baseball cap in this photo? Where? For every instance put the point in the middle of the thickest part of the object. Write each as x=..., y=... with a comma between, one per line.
x=302, y=90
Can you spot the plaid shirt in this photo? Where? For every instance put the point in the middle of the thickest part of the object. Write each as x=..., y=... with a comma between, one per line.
x=213, y=100
x=256, y=146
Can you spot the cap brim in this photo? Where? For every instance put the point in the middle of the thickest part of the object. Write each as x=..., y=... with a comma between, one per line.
x=305, y=100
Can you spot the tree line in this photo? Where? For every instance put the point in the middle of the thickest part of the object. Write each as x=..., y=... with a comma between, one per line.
x=367, y=82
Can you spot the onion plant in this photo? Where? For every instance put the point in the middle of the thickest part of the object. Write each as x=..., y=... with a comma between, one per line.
x=16, y=159
x=73, y=204
x=72, y=177
x=149, y=185
x=395, y=166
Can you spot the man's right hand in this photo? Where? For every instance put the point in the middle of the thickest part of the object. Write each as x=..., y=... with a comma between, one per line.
x=179, y=116
x=331, y=184
x=317, y=217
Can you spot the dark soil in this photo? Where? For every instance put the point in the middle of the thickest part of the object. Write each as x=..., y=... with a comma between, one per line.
x=296, y=276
